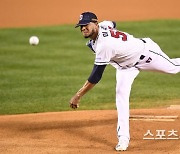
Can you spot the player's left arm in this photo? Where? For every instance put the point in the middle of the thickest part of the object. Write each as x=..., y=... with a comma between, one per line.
x=108, y=23
x=93, y=79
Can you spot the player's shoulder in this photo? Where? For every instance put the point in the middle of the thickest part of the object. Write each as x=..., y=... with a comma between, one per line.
x=107, y=23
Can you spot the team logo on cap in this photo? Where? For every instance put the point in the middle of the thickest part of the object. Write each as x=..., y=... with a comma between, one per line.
x=81, y=17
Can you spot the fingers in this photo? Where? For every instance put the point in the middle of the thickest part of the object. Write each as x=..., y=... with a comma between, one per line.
x=74, y=102
x=74, y=106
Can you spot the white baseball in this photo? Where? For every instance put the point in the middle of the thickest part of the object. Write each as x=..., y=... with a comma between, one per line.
x=33, y=40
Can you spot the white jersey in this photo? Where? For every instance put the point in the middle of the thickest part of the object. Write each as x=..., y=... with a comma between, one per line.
x=115, y=47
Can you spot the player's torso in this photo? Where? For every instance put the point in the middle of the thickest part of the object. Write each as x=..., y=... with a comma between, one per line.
x=124, y=48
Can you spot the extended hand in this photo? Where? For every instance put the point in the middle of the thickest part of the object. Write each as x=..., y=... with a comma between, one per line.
x=74, y=102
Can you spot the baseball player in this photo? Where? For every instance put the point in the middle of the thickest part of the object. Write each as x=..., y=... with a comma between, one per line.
x=129, y=55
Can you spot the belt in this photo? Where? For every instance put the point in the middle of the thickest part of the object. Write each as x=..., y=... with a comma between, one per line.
x=143, y=40
x=142, y=56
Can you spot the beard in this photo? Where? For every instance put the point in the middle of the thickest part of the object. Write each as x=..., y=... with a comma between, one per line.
x=86, y=36
x=91, y=34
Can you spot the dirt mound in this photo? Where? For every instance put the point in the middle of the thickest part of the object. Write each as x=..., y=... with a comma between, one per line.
x=85, y=132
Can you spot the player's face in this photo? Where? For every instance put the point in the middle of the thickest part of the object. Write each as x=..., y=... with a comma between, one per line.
x=90, y=30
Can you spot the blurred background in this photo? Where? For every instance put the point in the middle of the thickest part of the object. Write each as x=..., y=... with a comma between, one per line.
x=18, y=13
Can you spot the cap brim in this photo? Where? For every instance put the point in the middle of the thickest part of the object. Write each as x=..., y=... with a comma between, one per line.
x=82, y=23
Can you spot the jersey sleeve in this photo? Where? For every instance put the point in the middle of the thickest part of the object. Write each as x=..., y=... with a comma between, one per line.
x=108, y=23
x=103, y=56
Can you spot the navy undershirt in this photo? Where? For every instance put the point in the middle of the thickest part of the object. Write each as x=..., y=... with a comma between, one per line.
x=96, y=73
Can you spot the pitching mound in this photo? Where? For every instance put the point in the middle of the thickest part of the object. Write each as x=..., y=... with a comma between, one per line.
x=89, y=132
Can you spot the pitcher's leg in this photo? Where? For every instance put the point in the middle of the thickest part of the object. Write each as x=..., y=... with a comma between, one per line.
x=164, y=64
x=124, y=79
x=156, y=60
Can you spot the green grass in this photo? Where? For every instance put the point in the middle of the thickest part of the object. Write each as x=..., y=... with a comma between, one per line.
x=43, y=78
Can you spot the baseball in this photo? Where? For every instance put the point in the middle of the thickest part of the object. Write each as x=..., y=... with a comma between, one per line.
x=33, y=40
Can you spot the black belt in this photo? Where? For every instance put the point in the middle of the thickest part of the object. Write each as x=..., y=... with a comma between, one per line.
x=143, y=40
x=142, y=56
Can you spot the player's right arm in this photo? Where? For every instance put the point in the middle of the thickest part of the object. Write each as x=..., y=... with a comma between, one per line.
x=93, y=79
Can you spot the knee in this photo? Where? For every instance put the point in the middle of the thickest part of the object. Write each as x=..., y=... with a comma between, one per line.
x=123, y=91
x=174, y=71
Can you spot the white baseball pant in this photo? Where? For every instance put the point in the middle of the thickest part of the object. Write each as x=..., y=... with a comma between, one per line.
x=152, y=59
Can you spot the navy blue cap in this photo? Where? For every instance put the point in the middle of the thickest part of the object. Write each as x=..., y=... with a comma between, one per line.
x=85, y=18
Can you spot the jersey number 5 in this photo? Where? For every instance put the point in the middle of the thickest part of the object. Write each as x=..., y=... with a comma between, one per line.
x=118, y=34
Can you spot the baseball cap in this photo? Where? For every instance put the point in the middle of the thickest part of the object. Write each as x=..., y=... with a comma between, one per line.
x=85, y=18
